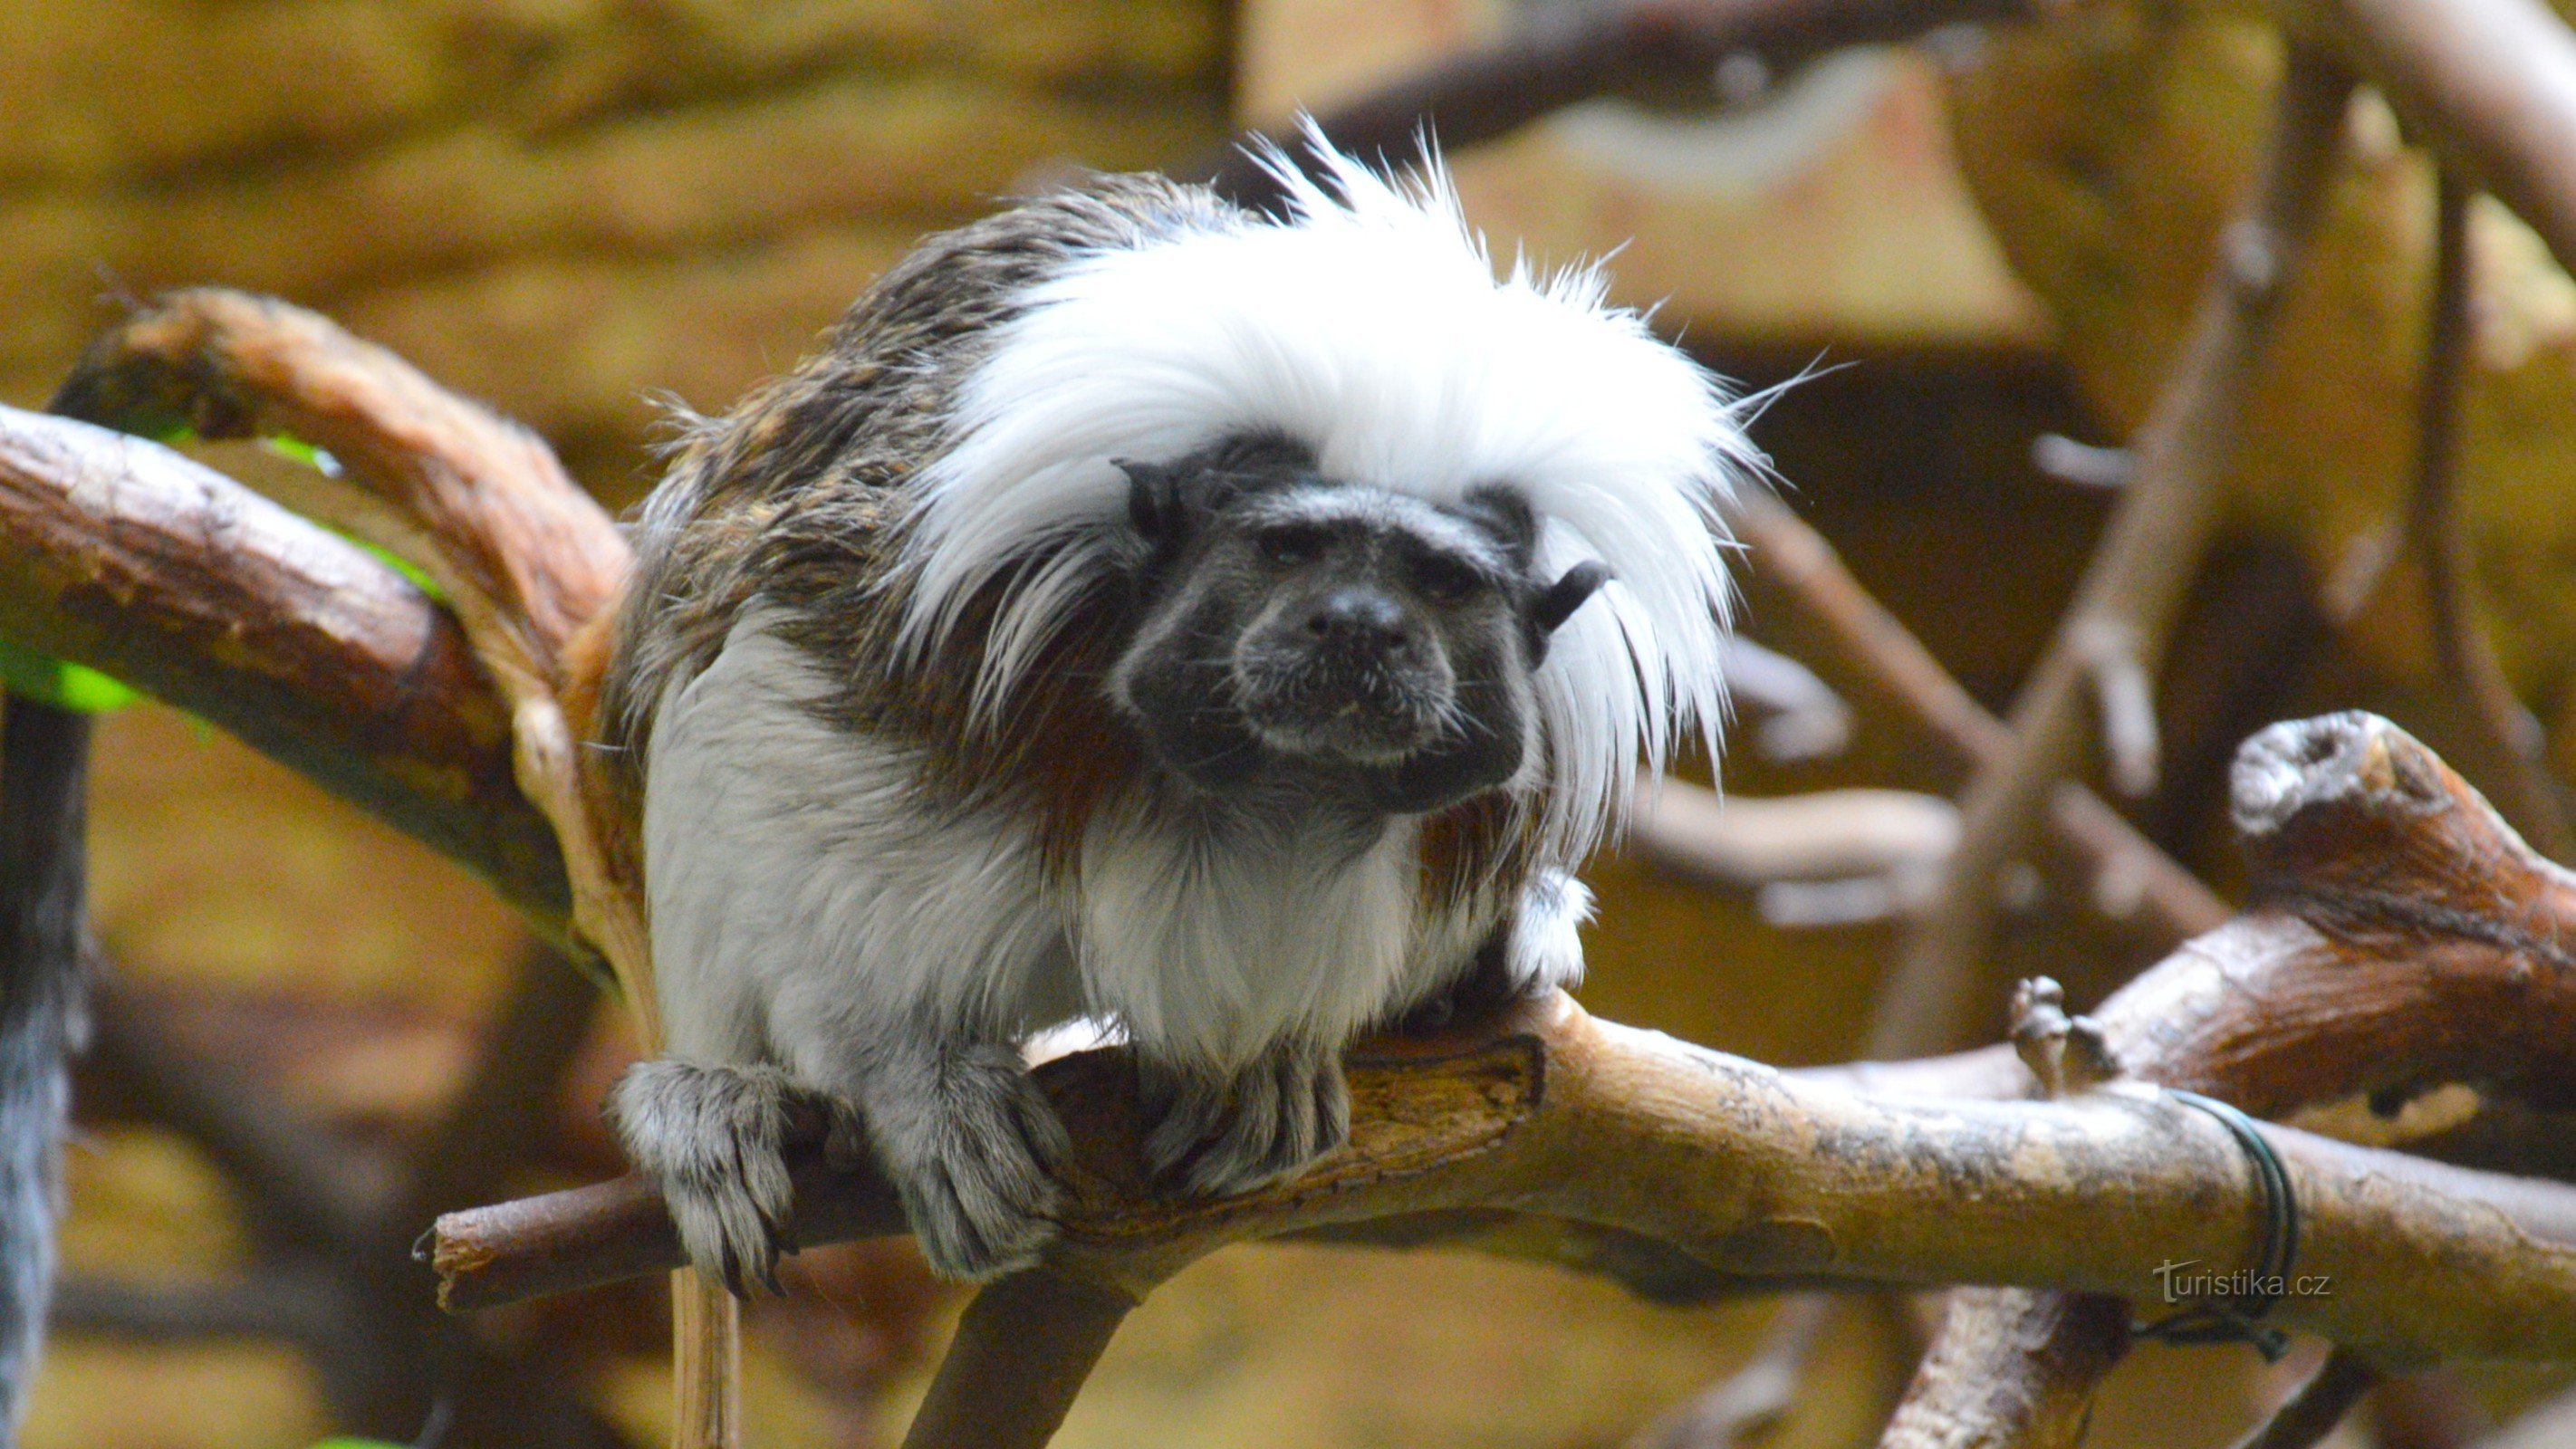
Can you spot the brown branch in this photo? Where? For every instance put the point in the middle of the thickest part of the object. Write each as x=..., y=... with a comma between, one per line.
x=127, y=557
x=1754, y=1398
x=1582, y=52
x=2148, y=555
x=455, y=488
x=1749, y=841
x=2370, y=860
x=2505, y=744
x=1877, y=646
x=2312, y=1411
x=1020, y=1356
x=2493, y=82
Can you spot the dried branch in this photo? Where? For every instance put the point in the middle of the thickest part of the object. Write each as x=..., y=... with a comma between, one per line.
x=1878, y=647
x=1748, y=841
x=2505, y=741
x=1578, y=52
x=2145, y=562
x=527, y=560
x=2493, y=82
x=2350, y=906
x=2313, y=1410
x=2404, y=932
x=127, y=557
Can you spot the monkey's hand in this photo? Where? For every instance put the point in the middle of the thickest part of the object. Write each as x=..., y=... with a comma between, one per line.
x=716, y=1137
x=1219, y=1136
x=972, y=1145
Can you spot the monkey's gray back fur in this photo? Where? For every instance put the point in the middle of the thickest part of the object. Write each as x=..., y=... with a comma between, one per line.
x=794, y=494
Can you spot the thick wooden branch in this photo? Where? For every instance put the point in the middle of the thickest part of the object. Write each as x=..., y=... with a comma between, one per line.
x=122, y=555
x=1755, y=1171
x=2385, y=886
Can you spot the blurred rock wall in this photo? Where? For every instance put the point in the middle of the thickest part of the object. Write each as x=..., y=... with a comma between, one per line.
x=553, y=204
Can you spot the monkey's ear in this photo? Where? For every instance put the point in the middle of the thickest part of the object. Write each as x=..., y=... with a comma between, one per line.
x=1153, y=498
x=1507, y=516
x=1557, y=603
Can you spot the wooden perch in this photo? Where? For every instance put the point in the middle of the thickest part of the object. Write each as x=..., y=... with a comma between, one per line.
x=2384, y=886
x=128, y=557
x=2403, y=935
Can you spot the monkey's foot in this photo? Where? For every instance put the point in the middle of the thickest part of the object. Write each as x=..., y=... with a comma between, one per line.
x=716, y=1137
x=1222, y=1137
x=973, y=1159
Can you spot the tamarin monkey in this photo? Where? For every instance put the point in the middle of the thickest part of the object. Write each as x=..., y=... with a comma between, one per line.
x=1229, y=628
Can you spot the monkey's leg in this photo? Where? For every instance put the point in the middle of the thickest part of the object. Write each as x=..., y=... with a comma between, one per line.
x=716, y=1137
x=972, y=1145
x=1217, y=1135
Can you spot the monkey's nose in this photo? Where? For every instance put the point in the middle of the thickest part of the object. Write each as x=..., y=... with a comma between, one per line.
x=1359, y=620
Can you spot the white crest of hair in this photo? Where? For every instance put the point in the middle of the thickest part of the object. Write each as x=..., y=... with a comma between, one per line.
x=1369, y=326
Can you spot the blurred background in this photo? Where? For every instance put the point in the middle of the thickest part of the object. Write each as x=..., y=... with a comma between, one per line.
x=565, y=207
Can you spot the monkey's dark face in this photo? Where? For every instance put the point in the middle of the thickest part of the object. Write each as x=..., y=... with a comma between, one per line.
x=1343, y=638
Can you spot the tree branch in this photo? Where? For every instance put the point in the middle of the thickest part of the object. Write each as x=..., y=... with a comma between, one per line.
x=2504, y=739
x=1876, y=645
x=2145, y=561
x=124, y=556
x=1579, y=53
x=2493, y=82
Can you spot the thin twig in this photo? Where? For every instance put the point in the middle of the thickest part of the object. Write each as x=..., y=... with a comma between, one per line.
x=1575, y=53
x=1755, y=1397
x=2145, y=562
x=2315, y=1407
x=2506, y=741
x=1877, y=646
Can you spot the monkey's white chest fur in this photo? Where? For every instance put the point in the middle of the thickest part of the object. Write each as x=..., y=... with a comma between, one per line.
x=807, y=906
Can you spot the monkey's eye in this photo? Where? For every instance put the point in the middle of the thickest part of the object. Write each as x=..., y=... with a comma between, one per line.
x=1446, y=580
x=1291, y=544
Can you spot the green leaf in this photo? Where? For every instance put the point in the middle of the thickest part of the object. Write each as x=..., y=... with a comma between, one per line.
x=63, y=685
x=295, y=449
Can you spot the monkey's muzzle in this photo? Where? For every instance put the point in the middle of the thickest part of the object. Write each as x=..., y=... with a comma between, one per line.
x=1352, y=676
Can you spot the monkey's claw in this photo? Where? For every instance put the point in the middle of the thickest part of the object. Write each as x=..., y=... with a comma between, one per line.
x=716, y=1138
x=1224, y=1137
x=976, y=1170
